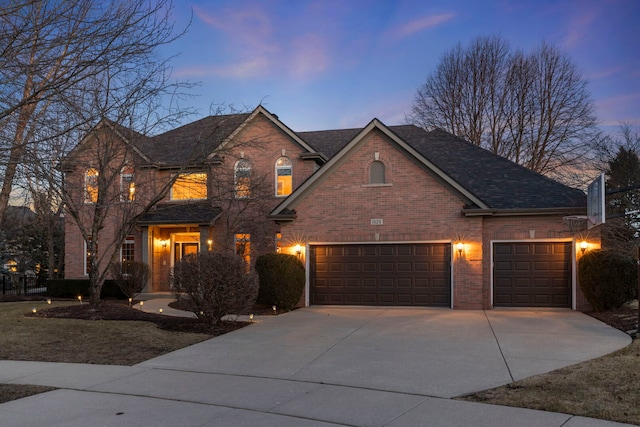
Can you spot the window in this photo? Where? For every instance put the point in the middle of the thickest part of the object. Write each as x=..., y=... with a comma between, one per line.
x=11, y=266
x=284, y=181
x=189, y=186
x=376, y=173
x=243, y=246
x=127, y=184
x=91, y=186
x=127, y=251
x=242, y=178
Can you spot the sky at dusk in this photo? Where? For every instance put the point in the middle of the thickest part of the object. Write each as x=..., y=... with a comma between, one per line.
x=324, y=64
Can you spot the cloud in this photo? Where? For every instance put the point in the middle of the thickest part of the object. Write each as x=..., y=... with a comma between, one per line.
x=247, y=69
x=257, y=45
x=308, y=57
x=247, y=36
x=614, y=110
x=247, y=27
x=579, y=26
x=604, y=73
x=417, y=25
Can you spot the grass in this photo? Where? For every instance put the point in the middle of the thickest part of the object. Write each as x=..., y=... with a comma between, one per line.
x=107, y=342
x=607, y=388
x=102, y=342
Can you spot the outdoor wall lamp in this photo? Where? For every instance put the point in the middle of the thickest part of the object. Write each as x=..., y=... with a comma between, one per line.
x=298, y=250
x=460, y=248
x=210, y=243
x=583, y=246
x=163, y=243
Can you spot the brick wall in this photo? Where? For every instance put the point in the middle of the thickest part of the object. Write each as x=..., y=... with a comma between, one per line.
x=412, y=206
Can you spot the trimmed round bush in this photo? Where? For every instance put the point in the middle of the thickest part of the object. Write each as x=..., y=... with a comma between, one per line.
x=608, y=279
x=281, y=280
x=130, y=276
x=217, y=283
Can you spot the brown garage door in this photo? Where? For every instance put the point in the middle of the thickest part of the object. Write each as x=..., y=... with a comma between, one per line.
x=532, y=274
x=381, y=274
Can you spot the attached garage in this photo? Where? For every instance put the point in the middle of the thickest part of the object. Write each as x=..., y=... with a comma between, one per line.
x=532, y=274
x=417, y=274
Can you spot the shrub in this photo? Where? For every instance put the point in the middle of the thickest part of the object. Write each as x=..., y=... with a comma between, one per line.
x=130, y=276
x=218, y=284
x=71, y=288
x=281, y=280
x=608, y=279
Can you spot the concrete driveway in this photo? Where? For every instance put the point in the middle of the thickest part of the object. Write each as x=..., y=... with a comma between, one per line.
x=323, y=366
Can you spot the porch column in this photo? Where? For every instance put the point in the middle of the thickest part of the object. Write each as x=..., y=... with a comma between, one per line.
x=146, y=257
x=205, y=238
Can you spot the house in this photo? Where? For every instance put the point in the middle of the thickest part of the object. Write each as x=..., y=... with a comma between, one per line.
x=380, y=215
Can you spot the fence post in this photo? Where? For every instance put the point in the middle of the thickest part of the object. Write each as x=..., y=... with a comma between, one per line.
x=4, y=284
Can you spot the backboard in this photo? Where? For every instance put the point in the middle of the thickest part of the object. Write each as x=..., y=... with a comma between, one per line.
x=595, y=202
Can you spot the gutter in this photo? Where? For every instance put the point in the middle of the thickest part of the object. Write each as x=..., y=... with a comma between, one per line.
x=524, y=212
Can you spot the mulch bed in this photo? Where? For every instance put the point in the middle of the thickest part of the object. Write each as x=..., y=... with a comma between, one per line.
x=625, y=319
x=120, y=310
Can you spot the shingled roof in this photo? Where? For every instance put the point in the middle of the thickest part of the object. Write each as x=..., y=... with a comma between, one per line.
x=195, y=140
x=500, y=183
x=181, y=213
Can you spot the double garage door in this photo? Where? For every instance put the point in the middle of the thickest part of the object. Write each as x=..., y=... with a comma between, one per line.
x=532, y=274
x=525, y=274
x=381, y=274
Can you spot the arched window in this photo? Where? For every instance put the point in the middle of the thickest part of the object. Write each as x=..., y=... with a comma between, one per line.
x=242, y=178
x=127, y=184
x=91, y=186
x=284, y=176
x=376, y=173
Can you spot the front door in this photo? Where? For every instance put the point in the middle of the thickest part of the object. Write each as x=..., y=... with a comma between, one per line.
x=184, y=244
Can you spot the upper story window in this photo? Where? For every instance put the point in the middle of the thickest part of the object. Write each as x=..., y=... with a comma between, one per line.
x=284, y=176
x=91, y=186
x=242, y=178
x=189, y=186
x=376, y=173
x=127, y=184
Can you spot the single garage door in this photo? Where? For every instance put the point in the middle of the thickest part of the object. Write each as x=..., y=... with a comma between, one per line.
x=532, y=274
x=381, y=274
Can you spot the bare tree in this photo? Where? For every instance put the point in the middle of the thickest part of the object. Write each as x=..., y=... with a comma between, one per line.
x=80, y=79
x=244, y=208
x=533, y=108
x=53, y=55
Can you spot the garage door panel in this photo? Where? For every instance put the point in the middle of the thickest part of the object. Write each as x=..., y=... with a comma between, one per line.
x=421, y=267
x=369, y=282
x=404, y=250
x=532, y=274
x=404, y=283
x=369, y=267
x=386, y=267
x=404, y=267
x=386, y=250
x=387, y=274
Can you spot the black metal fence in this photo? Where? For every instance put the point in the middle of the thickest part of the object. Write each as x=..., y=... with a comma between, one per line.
x=20, y=284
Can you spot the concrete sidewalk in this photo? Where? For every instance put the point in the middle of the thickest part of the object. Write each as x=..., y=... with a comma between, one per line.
x=325, y=367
